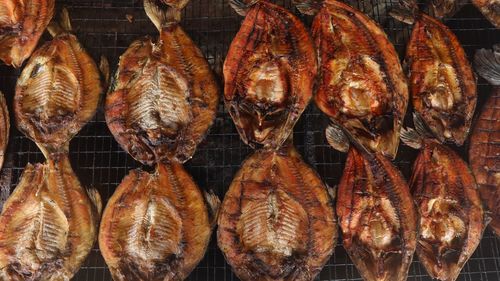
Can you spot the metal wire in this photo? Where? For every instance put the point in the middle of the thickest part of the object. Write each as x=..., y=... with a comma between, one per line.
x=103, y=28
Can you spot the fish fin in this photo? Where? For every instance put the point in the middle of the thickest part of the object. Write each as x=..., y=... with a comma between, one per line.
x=61, y=25
x=241, y=6
x=308, y=7
x=407, y=11
x=421, y=127
x=214, y=203
x=336, y=137
x=104, y=68
x=487, y=64
x=96, y=199
x=411, y=138
x=6, y=179
x=161, y=14
x=332, y=192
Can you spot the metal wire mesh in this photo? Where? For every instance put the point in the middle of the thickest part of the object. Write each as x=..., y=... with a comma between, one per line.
x=104, y=28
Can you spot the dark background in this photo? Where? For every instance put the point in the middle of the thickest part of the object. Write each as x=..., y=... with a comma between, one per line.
x=102, y=27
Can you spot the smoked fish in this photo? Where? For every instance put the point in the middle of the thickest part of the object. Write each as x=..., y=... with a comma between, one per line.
x=451, y=213
x=49, y=223
x=4, y=128
x=490, y=9
x=484, y=147
x=22, y=22
x=362, y=86
x=269, y=73
x=162, y=101
x=277, y=221
x=377, y=217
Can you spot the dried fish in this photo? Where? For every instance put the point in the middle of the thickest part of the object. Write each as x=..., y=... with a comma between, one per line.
x=49, y=224
x=490, y=9
x=362, y=85
x=160, y=106
x=156, y=226
x=377, y=217
x=22, y=22
x=442, y=83
x=484, y=148
x=164, y=95
x=451, y=215
x=269, y=73
x=4, y=128
x=276, y=220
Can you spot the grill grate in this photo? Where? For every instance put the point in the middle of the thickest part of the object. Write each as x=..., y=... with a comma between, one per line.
x=103, y=28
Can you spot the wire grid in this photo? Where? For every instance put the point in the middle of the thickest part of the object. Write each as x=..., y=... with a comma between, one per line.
x=104, y=28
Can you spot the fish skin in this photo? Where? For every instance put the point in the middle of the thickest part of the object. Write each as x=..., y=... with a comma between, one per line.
x=446, y=105
x=48, y=225
x=189, y=89
x=372, y=186
x=155, y=226
x=490, y=9
x=22, y=22
x=4, y=128
x=448, y=201
x=362, y=86
x=484, y=149
x=57, y=93
x=280, y=186
x=269, y=74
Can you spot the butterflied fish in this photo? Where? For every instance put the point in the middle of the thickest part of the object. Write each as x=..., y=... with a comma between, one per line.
x=164, y=95
x=4, y=128
x=362, y=86
x=276, y=221
x=484, y=147
x=442, y=83
x=58, y=91
x=156, y=226
x=377, y=217
x=490, y=9
x=22, y=22
x=269, y=73
x=451, y=214
x=163, y=100
x=49, y=224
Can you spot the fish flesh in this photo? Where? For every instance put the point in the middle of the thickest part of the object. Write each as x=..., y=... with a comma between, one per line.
x=22, y=22
x=156, y=226
x=277, y=221
x=164, y=97
x=49, y=223
x=442, y=83
x=4, y=128
x=451, y=214
x=484, y=147
x=269, y=74
x=490, y=9
x=58, y=91
x=377, y=217
x=362, y=87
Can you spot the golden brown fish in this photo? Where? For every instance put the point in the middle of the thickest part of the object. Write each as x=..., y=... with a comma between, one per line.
x=156, y=226
x=442, y=83
x=164, y=95
x=362, y=86
x=484, y=147
x=4, y=128
x=490, y=9
x=451, y=214
x=49, y=224
x=163, y=100
x=269, y=73
x=277, y=220
x=377, y=217
x=22, y=22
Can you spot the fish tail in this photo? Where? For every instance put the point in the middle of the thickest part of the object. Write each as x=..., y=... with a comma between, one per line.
x=164, y=12
x=407, y=11
x=241, y=6
x=308, y=7
x=63, y=25
x=487, y=64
